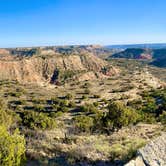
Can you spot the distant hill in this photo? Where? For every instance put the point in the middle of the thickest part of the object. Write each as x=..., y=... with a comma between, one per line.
x=97, y=50
x=65, y=50
x=134, y=53
x=159, y=53
x=158, y=56
x=159, y=62
x=150, y=46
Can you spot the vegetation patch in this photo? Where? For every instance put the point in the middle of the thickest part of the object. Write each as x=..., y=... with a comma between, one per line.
x=35, y=120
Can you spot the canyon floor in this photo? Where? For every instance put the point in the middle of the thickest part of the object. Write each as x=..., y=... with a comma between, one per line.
x=62, y=146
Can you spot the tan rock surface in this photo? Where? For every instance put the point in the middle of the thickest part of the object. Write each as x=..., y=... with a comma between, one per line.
x=39, y=69
x=153, y=154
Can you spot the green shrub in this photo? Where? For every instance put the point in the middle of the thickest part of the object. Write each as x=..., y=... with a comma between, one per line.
x=123, y=97
x=69, y=96
x=136, y=104
x=96, y=104
x=55, y=100
x=154, y=104
x=150, y=105
x=62, y=109
x=64, y=103
x=61, y=105
x=84, y=97
x=5, y=119
x=118, y=116
x=55, y=114
x=104, y=100
x=38, y=101
x=72, y=104
x=147, y=118
x=125, y=150
x=83, y=123
x=89, y=108
x=162, y=118
x=12, y=148
x=39, y=108
x=35, y=120
x=65, y=75
x=2, y=104
x=9, y=119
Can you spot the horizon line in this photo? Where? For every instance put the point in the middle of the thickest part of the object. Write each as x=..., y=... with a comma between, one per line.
x=88, y=44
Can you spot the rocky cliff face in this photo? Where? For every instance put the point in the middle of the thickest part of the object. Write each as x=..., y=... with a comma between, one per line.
x=43, y=68
x=4, y=51
x=153, y=154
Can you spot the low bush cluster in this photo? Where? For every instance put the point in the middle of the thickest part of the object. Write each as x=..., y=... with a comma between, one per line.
x=12, y=144
x=118, y=115
x=35, y=120
x=61, y=105
x=83, y=123
x=12, y=148
x=89, y=108
x=152, y=107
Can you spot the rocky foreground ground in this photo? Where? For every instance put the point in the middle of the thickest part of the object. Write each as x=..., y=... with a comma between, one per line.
x=153, y=154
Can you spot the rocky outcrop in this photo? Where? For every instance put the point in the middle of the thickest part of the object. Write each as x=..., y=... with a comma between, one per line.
x=4, y=51
x=42, y=68
x=153, y=154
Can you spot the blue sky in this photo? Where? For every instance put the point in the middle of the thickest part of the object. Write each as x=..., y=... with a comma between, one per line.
x=62, y=22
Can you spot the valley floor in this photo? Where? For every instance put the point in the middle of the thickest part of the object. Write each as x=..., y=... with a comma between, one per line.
x=63, y=145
